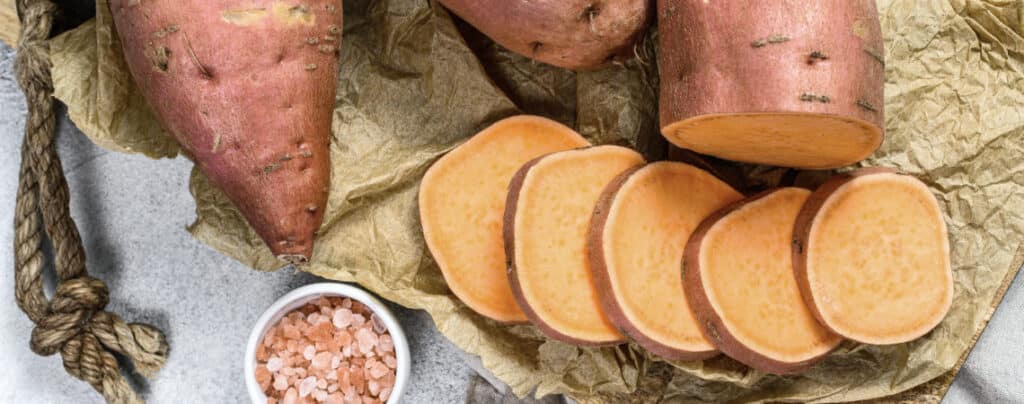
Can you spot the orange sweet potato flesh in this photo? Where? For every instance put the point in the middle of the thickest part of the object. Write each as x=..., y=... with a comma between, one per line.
x=739, y=280
x=462, y=202
x=871, y=255
x=247, y=88
x=574, y=34
x=637, y=236
x=547, y=216
x=788, y=83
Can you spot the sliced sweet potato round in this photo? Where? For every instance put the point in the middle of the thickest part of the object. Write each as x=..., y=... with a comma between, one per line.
x=871, y=256
x=738, y=275
x=547, y=215
x=462, y=200
x=637, y=236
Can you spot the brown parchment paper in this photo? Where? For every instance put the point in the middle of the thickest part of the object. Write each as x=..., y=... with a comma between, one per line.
x=414, y=84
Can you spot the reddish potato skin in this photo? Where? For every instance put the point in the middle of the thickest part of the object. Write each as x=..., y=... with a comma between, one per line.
x=711, y=66
x=509, y=234
x=802, y=230
x=574, y=34
x=247, y=89
x=709, y=320
x=599, y=269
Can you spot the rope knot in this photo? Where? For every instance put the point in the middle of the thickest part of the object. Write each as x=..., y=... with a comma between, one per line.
x=73, y=306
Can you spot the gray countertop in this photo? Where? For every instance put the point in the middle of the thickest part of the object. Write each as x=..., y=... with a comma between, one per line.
x=132, y=212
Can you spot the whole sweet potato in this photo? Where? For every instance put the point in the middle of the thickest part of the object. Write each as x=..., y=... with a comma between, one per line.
x=247, y=88
x=575, y=34
x=789, y=83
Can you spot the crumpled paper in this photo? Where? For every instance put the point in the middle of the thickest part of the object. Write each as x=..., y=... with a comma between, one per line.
x=414, y=84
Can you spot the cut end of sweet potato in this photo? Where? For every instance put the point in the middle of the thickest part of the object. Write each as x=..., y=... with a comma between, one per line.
x=462, y=202
x=872, y=257
x=637, y=236
x=801, y=140
x=739, y=280
x=547, y=216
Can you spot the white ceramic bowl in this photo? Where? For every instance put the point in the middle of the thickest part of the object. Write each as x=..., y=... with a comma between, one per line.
x=305, y=294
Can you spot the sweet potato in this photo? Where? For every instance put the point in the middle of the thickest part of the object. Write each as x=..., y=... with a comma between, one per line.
x=871, y=257
x=574, y=34
x=739, y=280
x=788, y=83
x=637, y=235
x=547, y=215
x=247, y=89
x=462, y=200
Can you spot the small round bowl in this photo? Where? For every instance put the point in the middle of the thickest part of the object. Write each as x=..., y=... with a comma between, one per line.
x=297, y=298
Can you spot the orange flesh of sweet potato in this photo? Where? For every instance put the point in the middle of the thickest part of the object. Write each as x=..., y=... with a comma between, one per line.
x=247, y=89
x=787, y=83
x=872, y=257
x=547, y=216
x=636, y=242
x=462, y=201
x=574, y=34
x=739, y=280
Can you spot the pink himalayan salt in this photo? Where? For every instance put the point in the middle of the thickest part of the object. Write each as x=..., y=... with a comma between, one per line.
x=306, y=386
x=335, y=398
x=390, y=361
x=263, y=377
x=291, y=397
x=378, y=370
x=274, y=364
x=359, y=357
x=271, y=400
x=385, y=343
x=378, y=324
x=322, y=360
x=358, y=320
x=367, y=340
x=280, y=383
x=342, y=318
x=347, y=303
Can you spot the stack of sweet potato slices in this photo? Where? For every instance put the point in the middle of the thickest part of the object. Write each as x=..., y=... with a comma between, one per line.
x=594, y=246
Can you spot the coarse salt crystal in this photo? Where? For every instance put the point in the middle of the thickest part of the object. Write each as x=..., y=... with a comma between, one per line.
x=322, y=360
x=385, y=393
x=378, y=324
x=291, y=397
x=335, y=361
x=378, y=370
x=280, y=383
x=390, y=361
x=386, y=344
x=288, y=371
x=320, y=395
x=347, y=303
x=358, y=320
x=367, y=340
x=312, y=318
x=306, y=386
x=332, y=387
x=274, y=364
x=373, y=387
x=309, y=352
x=342, y=318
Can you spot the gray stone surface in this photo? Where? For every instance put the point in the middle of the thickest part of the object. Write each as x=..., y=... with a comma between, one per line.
x=133, y=212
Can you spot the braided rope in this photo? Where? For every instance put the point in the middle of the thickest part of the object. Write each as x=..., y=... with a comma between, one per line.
x=73, y=322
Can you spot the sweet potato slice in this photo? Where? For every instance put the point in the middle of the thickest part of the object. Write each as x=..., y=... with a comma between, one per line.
x=871, y=256
x=547, y=215
x=739, y=280
x=462, y=200
x=637, y=236
x=788, y=83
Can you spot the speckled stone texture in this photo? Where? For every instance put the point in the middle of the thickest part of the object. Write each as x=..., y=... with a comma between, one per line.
x=132, y=212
